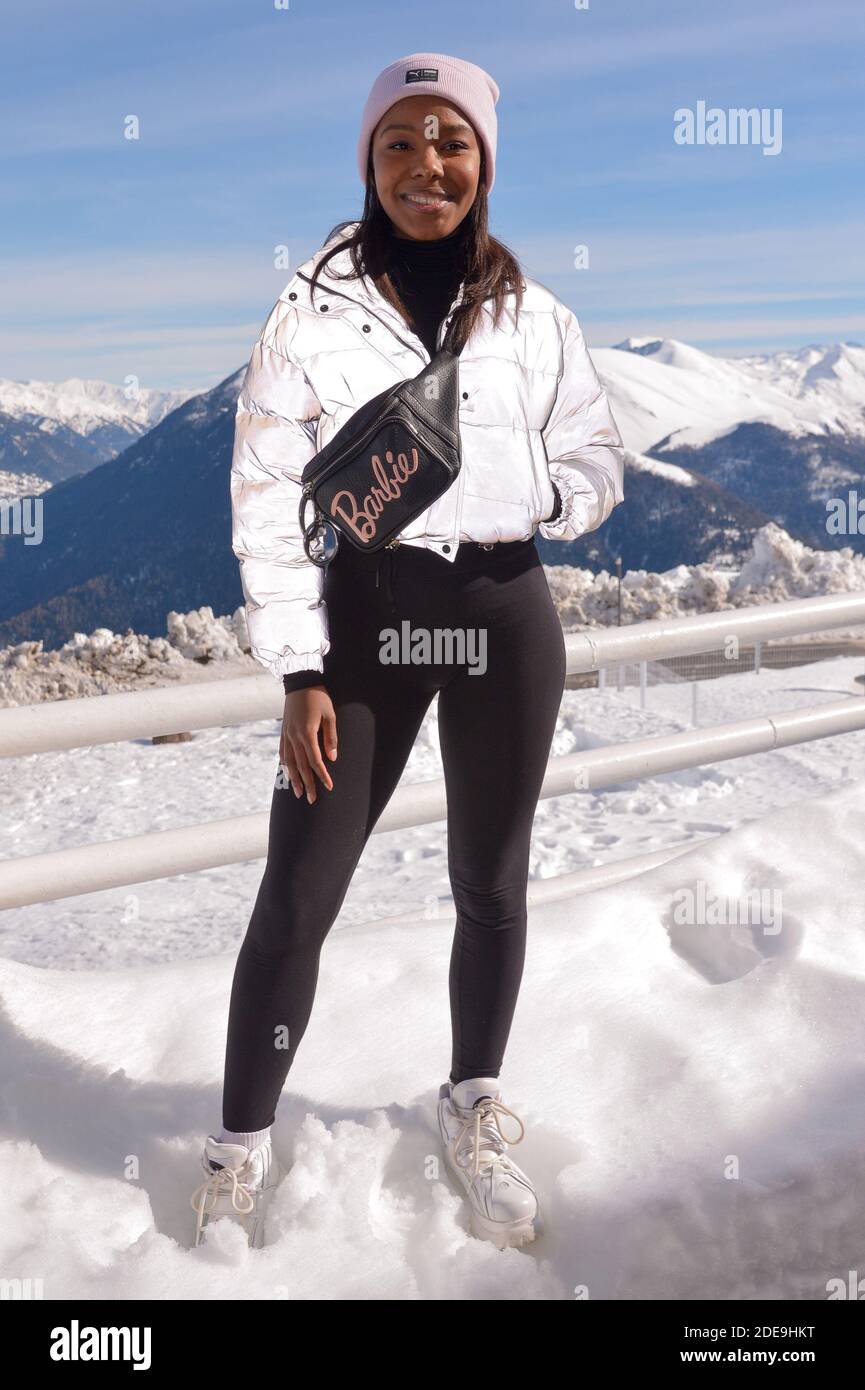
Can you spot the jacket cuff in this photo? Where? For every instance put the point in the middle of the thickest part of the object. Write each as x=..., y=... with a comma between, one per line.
x=302, y=680
x=289, y=663
x=570, y=520
x=557, y=509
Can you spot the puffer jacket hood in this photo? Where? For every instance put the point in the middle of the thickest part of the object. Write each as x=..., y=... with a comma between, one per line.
x=532, y=412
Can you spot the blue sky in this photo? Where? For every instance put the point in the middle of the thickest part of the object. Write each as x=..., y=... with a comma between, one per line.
x=155, y=257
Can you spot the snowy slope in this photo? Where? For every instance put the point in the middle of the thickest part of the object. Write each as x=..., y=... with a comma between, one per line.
x=58, y=430
x=86, y=405
x=14, y=485
x=649, y=1062
x=662, y=389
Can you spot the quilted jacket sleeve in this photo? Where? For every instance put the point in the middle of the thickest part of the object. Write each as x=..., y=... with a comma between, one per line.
x=583, y=444
x=274, y=437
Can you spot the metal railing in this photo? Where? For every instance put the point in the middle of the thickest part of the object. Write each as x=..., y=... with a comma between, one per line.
x=685, y=673
x=101, y=719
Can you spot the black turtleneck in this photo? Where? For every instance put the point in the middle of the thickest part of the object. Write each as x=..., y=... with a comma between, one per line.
x=427, y=276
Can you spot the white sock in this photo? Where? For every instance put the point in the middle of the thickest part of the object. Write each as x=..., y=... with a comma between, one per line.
x=250, y=1139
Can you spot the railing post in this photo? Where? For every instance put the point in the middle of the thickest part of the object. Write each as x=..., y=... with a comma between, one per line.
x=643, y=666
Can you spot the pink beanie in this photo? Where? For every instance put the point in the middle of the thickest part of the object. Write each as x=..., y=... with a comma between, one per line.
x=467, y=86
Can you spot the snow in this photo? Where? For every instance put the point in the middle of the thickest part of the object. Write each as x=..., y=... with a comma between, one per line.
x=86, y=405
x=103, y=661
x=648, y=1060
x=777, y=568
x=671, y=472
x=662, y=387
x=13, y=485
x=644, y=1059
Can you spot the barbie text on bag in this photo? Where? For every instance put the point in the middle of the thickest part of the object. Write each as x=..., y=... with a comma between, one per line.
x=389, y=462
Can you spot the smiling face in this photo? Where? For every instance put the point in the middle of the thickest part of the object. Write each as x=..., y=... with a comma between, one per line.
x=426, y=171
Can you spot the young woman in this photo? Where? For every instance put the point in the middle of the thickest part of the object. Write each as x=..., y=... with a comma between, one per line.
x=540, y=451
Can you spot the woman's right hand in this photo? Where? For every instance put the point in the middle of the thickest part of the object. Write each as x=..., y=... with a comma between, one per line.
x=306, y=712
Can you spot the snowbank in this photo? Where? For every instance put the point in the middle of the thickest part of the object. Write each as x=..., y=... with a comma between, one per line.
x=104, y=661
x=777, y=568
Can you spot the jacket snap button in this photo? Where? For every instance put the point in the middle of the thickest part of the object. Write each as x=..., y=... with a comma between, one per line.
x=324, y=308
x=292, y=295
x=366, y=328
x=446, y=549
x=465, y=395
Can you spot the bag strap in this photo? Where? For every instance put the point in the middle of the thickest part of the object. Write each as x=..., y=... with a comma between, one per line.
x=448, y=335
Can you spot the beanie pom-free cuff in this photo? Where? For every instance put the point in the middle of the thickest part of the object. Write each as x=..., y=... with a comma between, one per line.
x=469, y=87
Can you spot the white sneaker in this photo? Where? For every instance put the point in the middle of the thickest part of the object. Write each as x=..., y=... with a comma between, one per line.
x=239, y=1184
x=502, y=1200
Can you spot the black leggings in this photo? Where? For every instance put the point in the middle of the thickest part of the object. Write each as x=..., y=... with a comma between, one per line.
x=495, y=729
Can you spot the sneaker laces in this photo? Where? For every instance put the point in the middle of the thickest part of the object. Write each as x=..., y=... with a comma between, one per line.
x=219, y=1182
x=492, y=1145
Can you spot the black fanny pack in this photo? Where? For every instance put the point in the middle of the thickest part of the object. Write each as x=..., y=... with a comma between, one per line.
x=396, y=455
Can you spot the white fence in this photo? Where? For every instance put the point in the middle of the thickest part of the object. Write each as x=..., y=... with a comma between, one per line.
x=80, y=723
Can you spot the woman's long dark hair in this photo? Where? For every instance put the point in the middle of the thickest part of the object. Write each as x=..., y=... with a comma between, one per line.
x=492, y=270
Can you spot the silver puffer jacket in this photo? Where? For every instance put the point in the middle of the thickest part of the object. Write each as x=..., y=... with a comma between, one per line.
x=532, y=410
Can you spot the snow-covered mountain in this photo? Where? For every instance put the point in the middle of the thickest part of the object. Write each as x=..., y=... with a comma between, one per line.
x=14, y=485
x=56, y=430
x=781, y=435
x=671, y=515
x=133, y=538
x=664, y=392
x=799, y=479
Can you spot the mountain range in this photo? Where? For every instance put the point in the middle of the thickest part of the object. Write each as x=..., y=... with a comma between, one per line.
x=57, y=430
x=716, y=448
